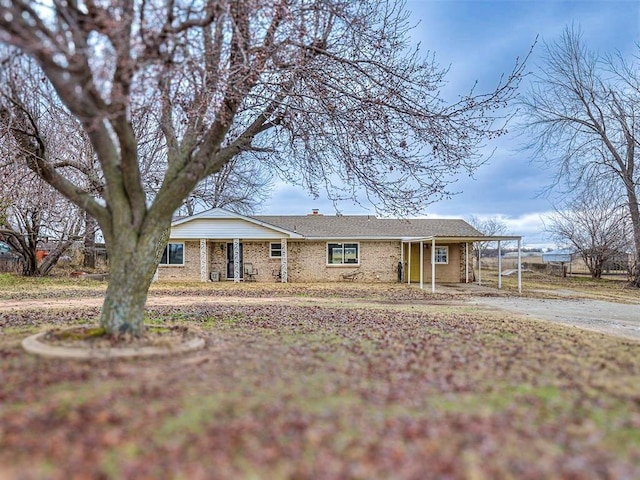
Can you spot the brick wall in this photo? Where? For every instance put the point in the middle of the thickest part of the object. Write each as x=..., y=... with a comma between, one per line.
x=188, y=272
x=378, y=262
x=257, y=253
x=308, y=262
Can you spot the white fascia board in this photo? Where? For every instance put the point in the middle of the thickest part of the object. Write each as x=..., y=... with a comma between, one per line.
x=487, y=238
x=217, y=213
x=398, y=239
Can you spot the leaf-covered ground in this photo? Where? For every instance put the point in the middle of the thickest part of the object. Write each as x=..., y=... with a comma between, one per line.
x=326, y=391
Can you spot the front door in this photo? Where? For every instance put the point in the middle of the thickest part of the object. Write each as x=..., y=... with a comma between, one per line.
x=230, y=261
x=414, y=269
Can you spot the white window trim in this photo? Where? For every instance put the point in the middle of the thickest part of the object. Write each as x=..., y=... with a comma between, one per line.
x=436, y=255
x=271, y=249
x=326, y=254
x=184, y=254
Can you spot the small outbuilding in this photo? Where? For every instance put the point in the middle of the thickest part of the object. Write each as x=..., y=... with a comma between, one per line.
x=558, y=259
x=558, y=256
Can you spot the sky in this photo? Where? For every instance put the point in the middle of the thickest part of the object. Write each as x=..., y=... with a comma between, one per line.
x=479, y=40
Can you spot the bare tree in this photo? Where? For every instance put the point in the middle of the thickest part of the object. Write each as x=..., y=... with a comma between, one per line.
x=595, y=223
x=487, y=226
x=34, y=217
x=34, y=122
x=583, y=112
x=241, y=186
x=326, y=93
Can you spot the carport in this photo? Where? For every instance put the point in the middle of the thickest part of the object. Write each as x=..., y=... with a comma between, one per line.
x=433, y=240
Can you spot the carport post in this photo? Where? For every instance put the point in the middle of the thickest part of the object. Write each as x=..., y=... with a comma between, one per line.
x=519, y=268
x=433, y=265
x=499, y=265
x=421, y=265
x=479, y=264
x=409, y=263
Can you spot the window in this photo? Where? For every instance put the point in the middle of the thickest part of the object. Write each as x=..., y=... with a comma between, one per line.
x=343, y=254
x=275, y=250
x=442, y=255
x=173, y=254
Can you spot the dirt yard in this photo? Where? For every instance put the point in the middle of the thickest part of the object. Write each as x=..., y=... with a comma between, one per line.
x=319, y=382
x=612, y=318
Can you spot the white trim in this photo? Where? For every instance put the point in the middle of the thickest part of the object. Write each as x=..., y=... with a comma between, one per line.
x=519, y=267
x=433, y=265
x=221, y=213
x=446, y=247
x=421, y=265
x=271, y=249
x=408, y=263
x=343, y=264
x=499, y=265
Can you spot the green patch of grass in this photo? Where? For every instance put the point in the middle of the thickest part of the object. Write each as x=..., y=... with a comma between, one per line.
x=79, y=333
x=20, y=330
x=8, y=279
x=114, y=458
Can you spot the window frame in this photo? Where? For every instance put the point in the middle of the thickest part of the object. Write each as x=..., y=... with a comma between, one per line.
x=271, y=250
x=166, y=252
x=343, y=245
x=435, y=255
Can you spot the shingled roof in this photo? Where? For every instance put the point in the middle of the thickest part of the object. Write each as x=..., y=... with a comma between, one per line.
x=367, y=226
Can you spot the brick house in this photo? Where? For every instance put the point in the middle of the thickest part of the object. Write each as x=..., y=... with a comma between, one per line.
x=220, y=245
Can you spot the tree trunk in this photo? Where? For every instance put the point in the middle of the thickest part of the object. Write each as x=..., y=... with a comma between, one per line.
x=131, y=272
x=89, y=241
x=130, y=277
x=51, y=260
x=635, y=221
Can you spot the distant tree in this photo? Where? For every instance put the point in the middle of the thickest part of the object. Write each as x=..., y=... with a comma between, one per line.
x=242, y=186
x=595, y=223
x=324, y=92
x=492, y=226
x=42, y=126
x=34, y=217
x=582, y=111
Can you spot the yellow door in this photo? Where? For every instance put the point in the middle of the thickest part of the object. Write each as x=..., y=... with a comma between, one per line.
x=413, y=270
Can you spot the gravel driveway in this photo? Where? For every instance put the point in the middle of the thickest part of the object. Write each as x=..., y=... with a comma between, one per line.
x=618, y=319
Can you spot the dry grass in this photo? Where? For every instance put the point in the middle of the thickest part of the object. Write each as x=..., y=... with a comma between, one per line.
x=313, y=392
x=325, y=390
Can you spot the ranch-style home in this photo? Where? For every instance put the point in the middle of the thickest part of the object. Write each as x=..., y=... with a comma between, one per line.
x=219, y=245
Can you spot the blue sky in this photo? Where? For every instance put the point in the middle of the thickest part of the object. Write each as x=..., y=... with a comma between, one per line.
x=480, y=40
